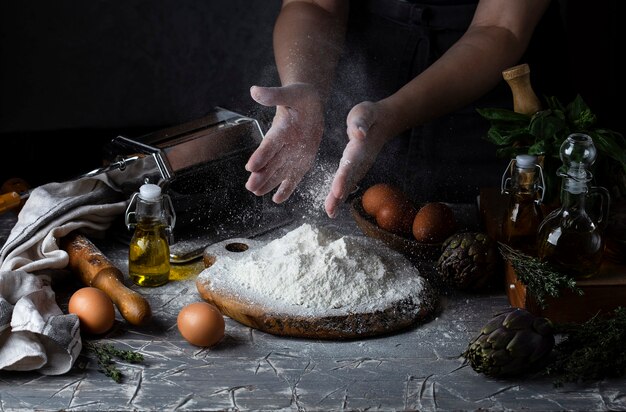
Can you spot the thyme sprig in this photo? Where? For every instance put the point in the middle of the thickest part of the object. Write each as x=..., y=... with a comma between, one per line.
x=105, y=354
x=541, y=279
x=590, y=351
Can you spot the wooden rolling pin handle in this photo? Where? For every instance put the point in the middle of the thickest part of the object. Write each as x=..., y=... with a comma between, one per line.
x=524, y=98
x=96, y=270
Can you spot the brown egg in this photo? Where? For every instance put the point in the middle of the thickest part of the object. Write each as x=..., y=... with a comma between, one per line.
x=377, y=195
x=94, y=310
x=201, y=324
x=396, y=216
x=433, y=223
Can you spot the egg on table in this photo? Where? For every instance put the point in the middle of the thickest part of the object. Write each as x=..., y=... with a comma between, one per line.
x=94, y=309
x=201, y=324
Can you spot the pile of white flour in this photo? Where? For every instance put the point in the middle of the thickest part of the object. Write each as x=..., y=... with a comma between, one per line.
x=313, y=270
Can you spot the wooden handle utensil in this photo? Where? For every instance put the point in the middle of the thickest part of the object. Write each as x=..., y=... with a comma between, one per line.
x=96, y=270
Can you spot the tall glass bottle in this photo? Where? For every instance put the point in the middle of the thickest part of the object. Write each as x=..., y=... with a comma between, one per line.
x=569, y=237
x=523, y=215
x=149, y=251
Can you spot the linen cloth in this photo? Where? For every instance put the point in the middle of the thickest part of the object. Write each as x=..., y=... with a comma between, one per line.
x=34, y=333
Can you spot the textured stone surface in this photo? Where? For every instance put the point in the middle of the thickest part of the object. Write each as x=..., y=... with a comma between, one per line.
x=417, y=369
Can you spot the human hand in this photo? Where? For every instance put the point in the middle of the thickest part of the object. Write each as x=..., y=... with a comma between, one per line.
x=289, y=147
x=367, y=131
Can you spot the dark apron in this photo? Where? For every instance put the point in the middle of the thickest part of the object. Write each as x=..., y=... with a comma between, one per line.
x=389, y=42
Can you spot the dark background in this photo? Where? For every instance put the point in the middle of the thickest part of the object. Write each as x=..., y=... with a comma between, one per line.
x=74, y=74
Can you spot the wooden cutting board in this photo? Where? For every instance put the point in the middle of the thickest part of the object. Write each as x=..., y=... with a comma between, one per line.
x=280, y=319
x=602, y=293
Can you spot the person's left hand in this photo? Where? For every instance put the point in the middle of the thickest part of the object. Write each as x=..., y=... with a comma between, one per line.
x=367, y=131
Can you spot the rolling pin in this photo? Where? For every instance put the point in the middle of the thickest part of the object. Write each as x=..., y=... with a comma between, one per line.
x=9, y=201
x=13, y=194
x=96, y=270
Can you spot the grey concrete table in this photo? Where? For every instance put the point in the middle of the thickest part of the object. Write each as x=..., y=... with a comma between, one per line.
x=417, y=369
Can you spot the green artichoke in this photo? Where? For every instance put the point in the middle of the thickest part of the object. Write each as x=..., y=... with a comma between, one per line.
x=512, y=343
x=468, y=261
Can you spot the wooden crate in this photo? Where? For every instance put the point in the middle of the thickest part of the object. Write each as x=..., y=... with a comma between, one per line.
x=602, y=293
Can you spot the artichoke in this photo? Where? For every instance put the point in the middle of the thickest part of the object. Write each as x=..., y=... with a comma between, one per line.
x=468, y=261
x=512, y=343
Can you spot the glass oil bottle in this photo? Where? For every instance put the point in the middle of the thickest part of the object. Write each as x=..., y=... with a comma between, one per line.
x=570, y=238
x=152, y=219
x=525, y=188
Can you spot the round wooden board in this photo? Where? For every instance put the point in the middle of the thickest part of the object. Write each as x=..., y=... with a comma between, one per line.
x=277, y=320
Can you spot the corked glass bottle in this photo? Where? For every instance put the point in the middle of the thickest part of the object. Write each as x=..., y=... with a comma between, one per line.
x=525, y=184
x=523, y=215
x=149, y=251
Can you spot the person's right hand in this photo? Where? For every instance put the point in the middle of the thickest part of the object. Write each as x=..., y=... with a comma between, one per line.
x=369, y=127
x=288, y=149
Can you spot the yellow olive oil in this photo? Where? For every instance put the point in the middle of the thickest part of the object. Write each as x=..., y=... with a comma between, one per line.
x=149, y=255
x=149, y=249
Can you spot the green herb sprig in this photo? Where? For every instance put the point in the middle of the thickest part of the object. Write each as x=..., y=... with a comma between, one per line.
x=590, y=351
x=105, y=354
x=541, y=280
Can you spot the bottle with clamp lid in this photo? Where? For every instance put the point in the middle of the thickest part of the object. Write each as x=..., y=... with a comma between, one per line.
x=570, y=238
x=152, y=216
x=525, y=188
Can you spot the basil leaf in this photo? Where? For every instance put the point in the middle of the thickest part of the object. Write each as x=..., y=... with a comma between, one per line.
x=494, y=136
x=579, y=114
x=546, y=129
x=503, y=115
x=576, y=107
x=554, y=104
x=538, y=148
x=517, y=136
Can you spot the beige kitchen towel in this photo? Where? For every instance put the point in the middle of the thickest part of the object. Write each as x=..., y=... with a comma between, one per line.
x=34, y=333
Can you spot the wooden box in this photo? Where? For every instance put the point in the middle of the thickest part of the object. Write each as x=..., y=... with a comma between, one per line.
x=602, y=294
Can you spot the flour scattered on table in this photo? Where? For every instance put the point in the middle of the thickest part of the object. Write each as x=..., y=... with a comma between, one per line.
x=314, y=269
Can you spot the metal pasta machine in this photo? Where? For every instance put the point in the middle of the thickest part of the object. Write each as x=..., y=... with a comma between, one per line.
x=200, y=165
